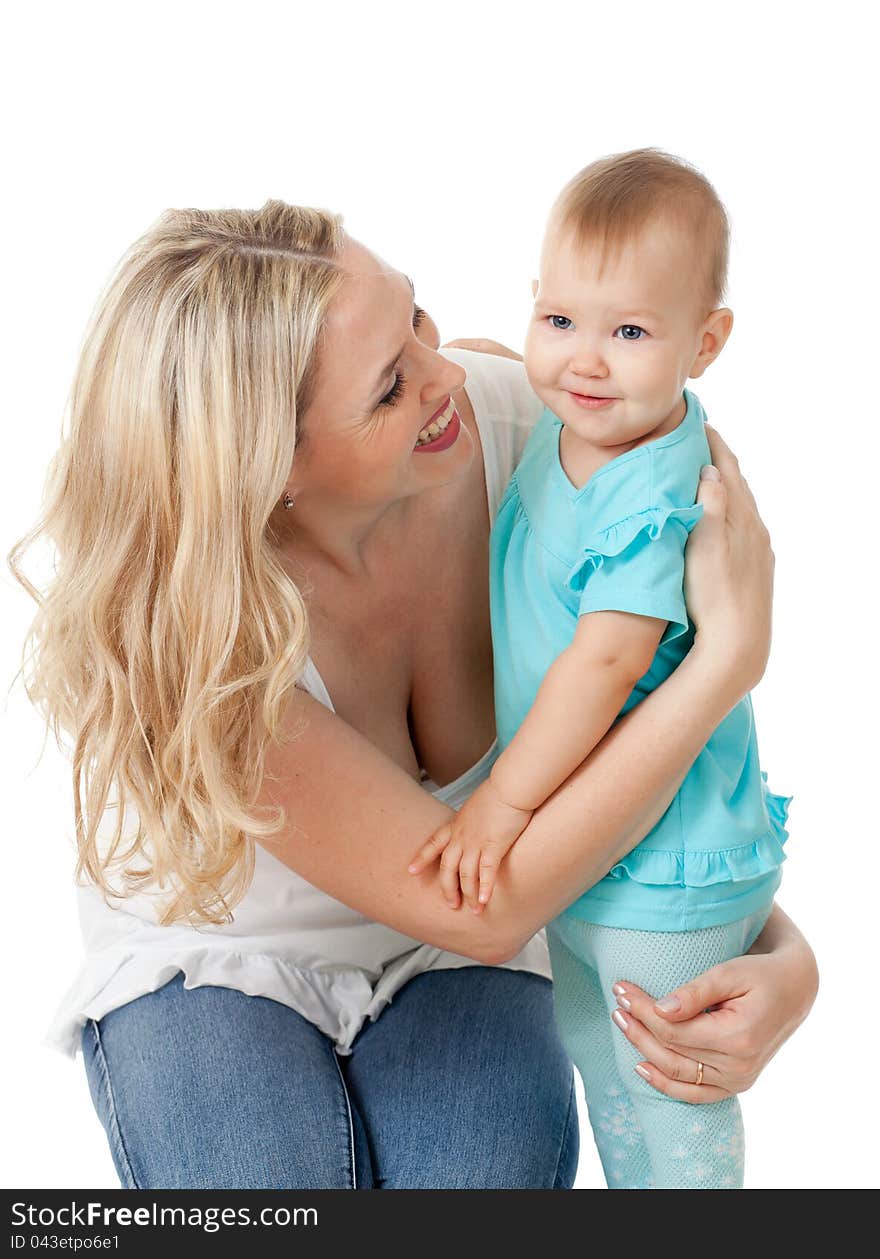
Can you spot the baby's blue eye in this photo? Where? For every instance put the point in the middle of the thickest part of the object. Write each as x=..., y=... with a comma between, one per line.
x=562, y=322
x=630, y=332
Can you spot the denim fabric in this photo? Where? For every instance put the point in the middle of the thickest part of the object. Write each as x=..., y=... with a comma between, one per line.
x=462, y=1083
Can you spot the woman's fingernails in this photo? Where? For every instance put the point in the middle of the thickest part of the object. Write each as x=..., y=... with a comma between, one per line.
x=643, y=1072
x=620, y=1020
x=709, y=473
x=619, y=990
x=412, y=869
x=627, y=1005
x=668, y=1005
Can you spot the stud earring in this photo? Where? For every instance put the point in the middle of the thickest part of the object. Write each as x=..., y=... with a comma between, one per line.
x=287, y=502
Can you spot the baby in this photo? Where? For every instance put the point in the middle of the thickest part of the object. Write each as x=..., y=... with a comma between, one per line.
x=588, y=617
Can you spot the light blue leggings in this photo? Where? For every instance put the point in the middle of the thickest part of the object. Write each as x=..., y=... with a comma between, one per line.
x=645, y=1139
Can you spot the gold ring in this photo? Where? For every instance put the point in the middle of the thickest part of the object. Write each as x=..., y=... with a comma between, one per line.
x=699, y=1079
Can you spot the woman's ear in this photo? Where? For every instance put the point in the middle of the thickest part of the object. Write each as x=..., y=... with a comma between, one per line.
x=715, y=332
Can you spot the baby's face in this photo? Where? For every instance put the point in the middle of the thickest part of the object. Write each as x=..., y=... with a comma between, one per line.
x=609, y=353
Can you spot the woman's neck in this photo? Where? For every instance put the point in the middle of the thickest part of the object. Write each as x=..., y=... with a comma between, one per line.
x=354, y=542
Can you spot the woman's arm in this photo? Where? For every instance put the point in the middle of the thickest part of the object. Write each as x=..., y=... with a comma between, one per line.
x=579, y=698
x=355, y=817
x=756, y=1001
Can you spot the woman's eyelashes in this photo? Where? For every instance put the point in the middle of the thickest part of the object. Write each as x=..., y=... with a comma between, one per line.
x=397, y=388
x=395, y=391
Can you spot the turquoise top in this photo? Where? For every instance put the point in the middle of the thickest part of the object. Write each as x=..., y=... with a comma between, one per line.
x=617, y=544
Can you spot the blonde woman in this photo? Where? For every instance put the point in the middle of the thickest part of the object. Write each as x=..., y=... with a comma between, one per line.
x=268, y=642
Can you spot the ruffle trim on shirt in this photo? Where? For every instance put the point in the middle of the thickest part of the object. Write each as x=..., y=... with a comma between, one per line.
x=335, y=1000
x=703, y=868
x=615, y=539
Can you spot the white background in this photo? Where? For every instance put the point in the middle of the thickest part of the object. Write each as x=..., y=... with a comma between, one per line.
x=443, y=133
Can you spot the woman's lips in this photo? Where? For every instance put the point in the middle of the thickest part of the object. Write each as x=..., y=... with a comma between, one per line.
x=590, y=402
x=441, y=430
x=444, y=440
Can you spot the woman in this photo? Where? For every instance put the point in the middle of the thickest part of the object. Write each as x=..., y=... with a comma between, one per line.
x=272, y=518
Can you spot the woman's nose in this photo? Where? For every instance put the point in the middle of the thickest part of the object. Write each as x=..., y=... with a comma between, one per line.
x=446, y=377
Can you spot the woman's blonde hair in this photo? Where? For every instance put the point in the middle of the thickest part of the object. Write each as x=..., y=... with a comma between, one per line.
x=171, y=634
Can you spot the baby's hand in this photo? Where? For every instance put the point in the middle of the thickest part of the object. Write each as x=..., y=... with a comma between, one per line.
x=472, y=846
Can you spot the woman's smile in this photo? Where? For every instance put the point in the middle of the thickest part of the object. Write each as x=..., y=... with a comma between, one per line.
x=442, y=429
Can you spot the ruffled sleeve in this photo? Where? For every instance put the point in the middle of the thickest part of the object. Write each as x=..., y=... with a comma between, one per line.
x=636, y=565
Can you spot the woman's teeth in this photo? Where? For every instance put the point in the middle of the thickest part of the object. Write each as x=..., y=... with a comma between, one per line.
x=433, y=430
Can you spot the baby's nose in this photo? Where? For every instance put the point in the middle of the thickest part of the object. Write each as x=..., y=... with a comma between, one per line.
x=587, y=362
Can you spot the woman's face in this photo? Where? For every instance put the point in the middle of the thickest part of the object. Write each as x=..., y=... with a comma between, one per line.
x=382, y=424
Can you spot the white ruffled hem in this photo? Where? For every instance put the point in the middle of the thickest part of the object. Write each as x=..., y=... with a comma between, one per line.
x=337, y=1000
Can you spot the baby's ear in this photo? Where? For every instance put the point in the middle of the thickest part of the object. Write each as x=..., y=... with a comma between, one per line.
x=716, y=330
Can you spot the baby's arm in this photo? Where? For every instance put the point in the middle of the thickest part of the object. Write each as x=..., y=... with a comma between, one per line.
x=581, y=694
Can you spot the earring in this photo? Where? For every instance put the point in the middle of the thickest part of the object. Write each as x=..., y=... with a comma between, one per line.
x=287, y=502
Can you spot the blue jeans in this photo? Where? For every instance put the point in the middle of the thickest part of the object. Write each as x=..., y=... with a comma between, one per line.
x=462, y=1083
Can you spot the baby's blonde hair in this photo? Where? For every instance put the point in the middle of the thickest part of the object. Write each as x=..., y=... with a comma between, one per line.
x=613, y=199
x=171, y=634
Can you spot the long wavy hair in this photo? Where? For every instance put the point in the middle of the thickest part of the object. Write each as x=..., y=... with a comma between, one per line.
x=171, y=635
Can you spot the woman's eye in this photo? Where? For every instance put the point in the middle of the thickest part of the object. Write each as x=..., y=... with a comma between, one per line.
x=394, y=392
x=630, y=332
x=419, y=316
x=562, y=322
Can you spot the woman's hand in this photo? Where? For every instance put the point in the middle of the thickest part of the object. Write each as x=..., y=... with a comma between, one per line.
x=482, y=346
x=729, y=576
x=754, y=1004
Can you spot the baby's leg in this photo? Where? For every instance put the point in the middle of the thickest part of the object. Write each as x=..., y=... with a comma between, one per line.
x=587, y=1034
x=690, y=1146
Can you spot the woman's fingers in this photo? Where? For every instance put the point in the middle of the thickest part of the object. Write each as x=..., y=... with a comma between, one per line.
x=652, y=1036
x=689, y=1029
x=729, y=573
x=483, y=346
x=721, y=983
x=741, y=500
x=669, y=1072
x=697, y=1093
x=633, y=1001
x=730, y=1032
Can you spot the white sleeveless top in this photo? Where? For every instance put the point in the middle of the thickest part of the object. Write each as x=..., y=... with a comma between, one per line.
x=289, y=941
